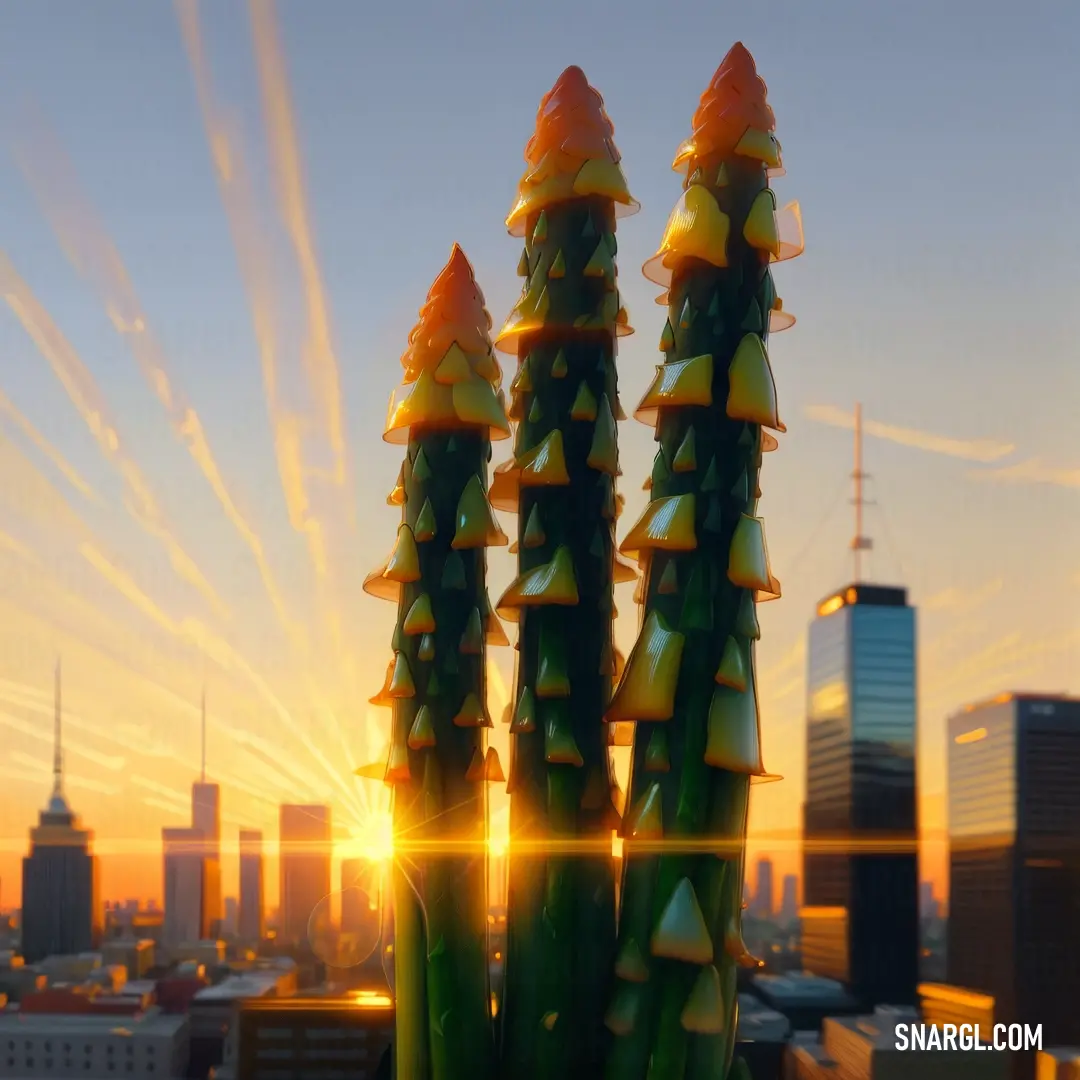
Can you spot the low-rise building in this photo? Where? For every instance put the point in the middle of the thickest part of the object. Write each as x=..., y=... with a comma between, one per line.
x=317, y=1038
x=54, y=1046
x=866, y=1048
x=761, y=1038
x=1062, y=1063
x=135, y=954
x=210, y=953
x=803, y=998
x=213, y=1010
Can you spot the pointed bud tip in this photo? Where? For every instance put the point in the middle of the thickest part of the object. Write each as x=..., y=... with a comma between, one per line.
x=572, y=76
x=738, y=57
x=458, y=259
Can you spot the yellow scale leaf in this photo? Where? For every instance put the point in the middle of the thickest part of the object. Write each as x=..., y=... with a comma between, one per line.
x=454, y=367
x=476, y=525
x=667, y=524
x=604, y=452
x=549, y=583
x=584, y=406
x=734, y=737
x=404, y=564
x=760, y=229
x=422, y=733
x=761, y=146
x=472, y=713
x=647, y=689
x=420, y=619
x=685, y=382
x=681, y=933
x=748, y=559
x=696, y=229
x=752, y=389
x=545, y=463
x=401, y=680
x=733, y=665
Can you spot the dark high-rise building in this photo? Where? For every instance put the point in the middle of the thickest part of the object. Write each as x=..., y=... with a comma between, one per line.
x=763, y=892
x=789, y=899
x=860, y=881
x=60, y=910
x=1014, y=859
x=251, y=923
x=305, y=847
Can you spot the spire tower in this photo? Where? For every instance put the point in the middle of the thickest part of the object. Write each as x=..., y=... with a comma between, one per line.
x=58, y=754
x=202, y=775
x=859, y=542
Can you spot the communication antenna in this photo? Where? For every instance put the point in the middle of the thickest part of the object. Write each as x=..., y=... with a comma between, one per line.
x=202, y=778
x=859, y=542
x=58, y=755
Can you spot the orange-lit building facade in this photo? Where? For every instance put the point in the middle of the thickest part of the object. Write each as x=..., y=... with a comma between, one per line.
x=1014, y=859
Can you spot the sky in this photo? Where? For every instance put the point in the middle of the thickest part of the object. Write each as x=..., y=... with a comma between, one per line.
x=217, y=224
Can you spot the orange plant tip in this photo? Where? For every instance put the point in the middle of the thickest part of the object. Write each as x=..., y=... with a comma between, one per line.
x=571, y=153
x=734, y=102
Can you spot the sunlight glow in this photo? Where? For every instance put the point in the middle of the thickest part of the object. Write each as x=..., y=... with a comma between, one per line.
x=499, y=832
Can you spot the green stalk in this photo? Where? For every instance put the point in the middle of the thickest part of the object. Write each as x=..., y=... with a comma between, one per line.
x=689, y=683
x=437, y=687
x=561, y=902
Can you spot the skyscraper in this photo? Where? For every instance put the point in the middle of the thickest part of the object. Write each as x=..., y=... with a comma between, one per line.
x=361, y=918
x=252, y=919
x=789, y=899
x=186, y=886
x=206, y=818
x=192, y=864
x=763, y=895
x=304, y=855
x=60, y=909
x=860, y=867
x=1014, y=859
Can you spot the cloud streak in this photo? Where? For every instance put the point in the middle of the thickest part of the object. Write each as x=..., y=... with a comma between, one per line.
x=82, y=235
x=956, y=599
x=1030, y=471
x=981, y=450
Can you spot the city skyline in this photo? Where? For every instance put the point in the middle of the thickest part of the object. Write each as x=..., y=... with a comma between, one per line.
x=116, y=552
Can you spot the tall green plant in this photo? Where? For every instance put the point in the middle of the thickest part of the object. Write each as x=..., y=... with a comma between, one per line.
x=436, y=683
x=689, y=684
x=561, y=482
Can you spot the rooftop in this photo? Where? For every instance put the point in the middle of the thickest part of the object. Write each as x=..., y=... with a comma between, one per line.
x=878, y=1030
x=802, y=988
x=763, y=1025
x=1021, y=696
x=863, y=594
x=1063, y=1055
x=249, y=985
x=361, y=999
x=12, y=1022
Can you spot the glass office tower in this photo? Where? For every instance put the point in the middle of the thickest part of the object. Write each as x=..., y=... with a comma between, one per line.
x=860, y=864
x=1014, y=859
